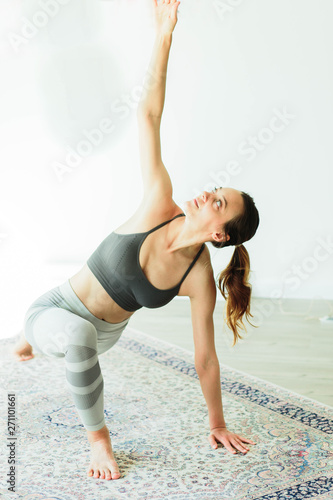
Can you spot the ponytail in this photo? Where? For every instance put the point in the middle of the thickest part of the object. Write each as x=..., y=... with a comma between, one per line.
x=236, y=290
x=233, y=280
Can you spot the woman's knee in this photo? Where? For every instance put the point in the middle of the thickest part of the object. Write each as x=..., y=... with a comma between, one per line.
x=74, y=331
x=52, y=330
x=80, y=333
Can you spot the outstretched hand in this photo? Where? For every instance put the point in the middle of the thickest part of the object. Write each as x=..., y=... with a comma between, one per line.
x=165, y=16
x=230, y=440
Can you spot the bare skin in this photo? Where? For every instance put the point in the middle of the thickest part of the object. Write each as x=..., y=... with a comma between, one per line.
x=171, y=247
x=102, y=463
x=23, y=350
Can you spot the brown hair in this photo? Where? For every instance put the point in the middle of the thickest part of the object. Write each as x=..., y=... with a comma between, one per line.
x=234, y=278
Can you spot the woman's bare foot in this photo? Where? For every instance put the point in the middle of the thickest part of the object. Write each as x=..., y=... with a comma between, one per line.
x=23, y=350
x=102, y=464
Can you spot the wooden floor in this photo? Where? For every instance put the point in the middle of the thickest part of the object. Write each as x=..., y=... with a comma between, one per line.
x=290, y=348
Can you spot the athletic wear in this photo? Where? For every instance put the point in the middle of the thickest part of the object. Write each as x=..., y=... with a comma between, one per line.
x=115, y=263
x=58, y=324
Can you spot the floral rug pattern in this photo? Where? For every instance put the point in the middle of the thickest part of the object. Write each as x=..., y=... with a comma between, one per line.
x=158, y=422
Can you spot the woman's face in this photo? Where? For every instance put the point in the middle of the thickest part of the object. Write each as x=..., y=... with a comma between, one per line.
x=211, y=210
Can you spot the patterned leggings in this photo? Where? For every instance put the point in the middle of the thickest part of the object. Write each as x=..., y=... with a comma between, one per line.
x=58, y=324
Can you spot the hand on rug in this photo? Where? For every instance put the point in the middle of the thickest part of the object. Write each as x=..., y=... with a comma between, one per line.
x=229, y=440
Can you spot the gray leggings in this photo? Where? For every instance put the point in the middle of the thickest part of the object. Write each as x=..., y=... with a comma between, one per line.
x=58, y=324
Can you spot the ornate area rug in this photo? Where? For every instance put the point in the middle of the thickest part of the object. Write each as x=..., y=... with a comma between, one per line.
x=158, y=423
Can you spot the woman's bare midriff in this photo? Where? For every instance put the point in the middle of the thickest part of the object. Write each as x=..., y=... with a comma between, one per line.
x=95, y=298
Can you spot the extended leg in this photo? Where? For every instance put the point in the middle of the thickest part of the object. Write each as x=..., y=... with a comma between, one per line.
x=59, y=332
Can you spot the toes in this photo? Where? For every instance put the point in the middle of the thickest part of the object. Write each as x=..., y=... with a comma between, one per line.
x=109, y=473
x=115, y=473
x=114, y=470
x=23, y=357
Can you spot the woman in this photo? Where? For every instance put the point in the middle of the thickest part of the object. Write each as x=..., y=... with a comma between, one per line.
x=130, y=269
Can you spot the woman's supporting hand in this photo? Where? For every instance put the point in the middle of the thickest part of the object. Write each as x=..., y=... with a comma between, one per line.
x=230, y=440
x=165, y=16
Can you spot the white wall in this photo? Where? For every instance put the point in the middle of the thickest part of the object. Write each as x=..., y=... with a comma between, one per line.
x=231, y=71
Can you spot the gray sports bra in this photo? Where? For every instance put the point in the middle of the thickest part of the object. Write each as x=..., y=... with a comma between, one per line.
x=115, y=263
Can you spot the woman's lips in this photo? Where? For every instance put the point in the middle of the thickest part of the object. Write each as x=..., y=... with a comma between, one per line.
x=195, y=202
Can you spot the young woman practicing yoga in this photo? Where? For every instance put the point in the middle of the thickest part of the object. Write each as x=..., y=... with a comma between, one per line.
x=158, y=253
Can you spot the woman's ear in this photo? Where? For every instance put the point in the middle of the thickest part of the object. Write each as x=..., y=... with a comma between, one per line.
x=220, y=237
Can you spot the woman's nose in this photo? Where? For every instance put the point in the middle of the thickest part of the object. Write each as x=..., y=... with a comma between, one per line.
x=205, y=196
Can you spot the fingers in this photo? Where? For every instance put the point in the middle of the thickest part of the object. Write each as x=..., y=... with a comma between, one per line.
x=243, y=439
x=239, y=446
x=175, y=11
x=231, y=443
x=238, y=443
x=171, y=2
x=212, y=441
x=228, y=446
x=246, y=440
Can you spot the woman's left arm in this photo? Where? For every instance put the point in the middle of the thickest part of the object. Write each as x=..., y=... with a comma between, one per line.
x=208, y=367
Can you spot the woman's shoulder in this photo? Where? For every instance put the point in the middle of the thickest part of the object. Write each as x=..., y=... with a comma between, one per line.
x=150, y=213
x=200, y=281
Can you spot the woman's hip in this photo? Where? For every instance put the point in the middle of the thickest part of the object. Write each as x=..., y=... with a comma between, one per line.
x=63, y=297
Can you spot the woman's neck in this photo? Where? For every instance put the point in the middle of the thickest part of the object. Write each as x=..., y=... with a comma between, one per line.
x=181, y=236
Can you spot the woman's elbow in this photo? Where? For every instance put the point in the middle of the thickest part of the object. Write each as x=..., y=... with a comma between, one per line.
x=202, y=364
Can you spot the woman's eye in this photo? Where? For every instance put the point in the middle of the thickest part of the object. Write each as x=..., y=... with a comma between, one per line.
x=219, y=201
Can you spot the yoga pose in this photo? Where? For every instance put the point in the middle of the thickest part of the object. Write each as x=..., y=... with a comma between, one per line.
x=158, y=253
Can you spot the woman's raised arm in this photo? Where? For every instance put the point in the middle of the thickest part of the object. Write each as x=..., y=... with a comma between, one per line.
x=153, y=96
x=149, y=112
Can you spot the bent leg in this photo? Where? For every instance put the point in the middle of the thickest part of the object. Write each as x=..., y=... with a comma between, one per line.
x=58, y=332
